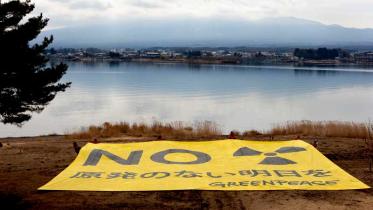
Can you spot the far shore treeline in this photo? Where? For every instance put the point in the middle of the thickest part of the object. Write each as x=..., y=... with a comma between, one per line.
x=320, y=53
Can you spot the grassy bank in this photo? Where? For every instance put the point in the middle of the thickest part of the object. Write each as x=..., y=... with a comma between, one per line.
x=324, y=129
x=182, y=130
x=178, y=129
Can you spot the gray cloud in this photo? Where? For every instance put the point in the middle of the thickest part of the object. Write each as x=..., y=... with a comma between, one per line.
x=84, y=4
x=89, y=5
x=146, y=4
x=343, y=12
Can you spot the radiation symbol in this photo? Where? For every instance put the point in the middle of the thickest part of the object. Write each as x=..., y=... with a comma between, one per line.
x=271, y=158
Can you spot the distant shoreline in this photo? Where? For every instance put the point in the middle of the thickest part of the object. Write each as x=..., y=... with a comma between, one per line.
x=310, y=63
x=297, y=57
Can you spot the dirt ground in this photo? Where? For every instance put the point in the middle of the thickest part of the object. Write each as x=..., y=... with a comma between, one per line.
x=28, y=163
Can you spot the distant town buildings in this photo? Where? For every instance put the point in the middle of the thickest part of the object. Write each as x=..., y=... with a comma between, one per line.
x=321, y=56
x=364, y=58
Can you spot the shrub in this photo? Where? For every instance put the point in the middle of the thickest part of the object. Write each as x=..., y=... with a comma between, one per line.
x=251, y=133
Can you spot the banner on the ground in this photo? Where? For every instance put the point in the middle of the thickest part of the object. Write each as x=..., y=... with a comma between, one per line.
x=208, y=165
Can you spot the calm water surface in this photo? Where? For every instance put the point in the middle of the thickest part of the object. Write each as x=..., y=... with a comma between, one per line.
x=236, y=97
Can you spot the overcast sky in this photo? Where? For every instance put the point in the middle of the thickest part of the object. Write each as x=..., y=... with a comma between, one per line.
x=349, y=13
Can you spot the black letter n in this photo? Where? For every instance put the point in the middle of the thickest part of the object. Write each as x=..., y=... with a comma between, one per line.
x=96, y=154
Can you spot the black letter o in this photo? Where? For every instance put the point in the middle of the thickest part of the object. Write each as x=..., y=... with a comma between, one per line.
x=160, y=157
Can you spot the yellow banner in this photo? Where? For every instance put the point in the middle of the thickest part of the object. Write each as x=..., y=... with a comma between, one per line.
x=208, y=165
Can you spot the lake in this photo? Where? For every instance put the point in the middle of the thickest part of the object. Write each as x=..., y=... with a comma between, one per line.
x=236, y=97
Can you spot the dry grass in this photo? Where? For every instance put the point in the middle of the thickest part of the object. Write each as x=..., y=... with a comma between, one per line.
x=369, y=146
x=323, y=129
x=176, y=130
x=208, y=129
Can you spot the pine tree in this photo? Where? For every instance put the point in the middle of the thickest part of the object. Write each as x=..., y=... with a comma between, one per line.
x=27, y=84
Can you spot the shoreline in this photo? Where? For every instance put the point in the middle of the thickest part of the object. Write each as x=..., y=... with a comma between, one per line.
x=44, y=157
x=306, y=63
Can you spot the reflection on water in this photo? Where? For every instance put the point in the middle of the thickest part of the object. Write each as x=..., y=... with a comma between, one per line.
x=237, y=97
